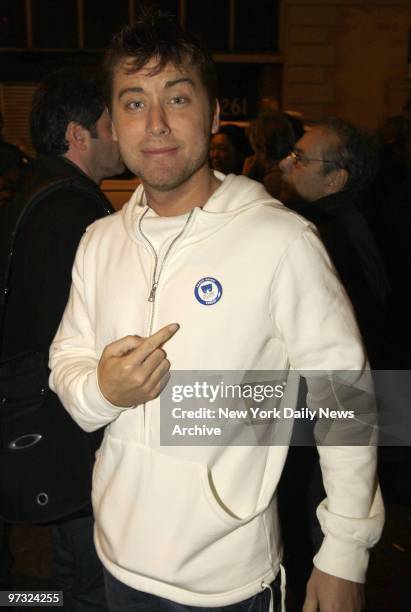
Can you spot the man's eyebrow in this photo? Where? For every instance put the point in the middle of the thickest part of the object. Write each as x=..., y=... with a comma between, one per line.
x=178, y=81
x=130, y=90
x=168, y=84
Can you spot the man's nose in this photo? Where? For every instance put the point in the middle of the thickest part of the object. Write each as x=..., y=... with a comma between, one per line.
x=157, y=123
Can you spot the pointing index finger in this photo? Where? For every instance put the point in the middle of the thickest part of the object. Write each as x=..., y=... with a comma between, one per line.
x=156, y=340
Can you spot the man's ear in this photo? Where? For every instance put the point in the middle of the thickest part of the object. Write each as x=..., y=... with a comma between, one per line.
x=215, y=124
x=336, y=180
x=77, y=136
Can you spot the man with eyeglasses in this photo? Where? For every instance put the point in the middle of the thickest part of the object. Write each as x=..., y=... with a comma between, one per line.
x=326, y=172
x=328, y=168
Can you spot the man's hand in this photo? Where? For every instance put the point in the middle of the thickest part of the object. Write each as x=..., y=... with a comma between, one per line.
x=332, y=594
x=134, y=370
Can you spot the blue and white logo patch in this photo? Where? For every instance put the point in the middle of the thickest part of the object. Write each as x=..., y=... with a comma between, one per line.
x=208, y=291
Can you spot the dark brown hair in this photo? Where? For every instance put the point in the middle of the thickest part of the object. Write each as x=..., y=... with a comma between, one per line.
x=68, y=94
x=158, y=35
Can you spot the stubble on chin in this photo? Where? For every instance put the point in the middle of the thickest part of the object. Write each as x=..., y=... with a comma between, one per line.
x=166, y=182
x=171, y=177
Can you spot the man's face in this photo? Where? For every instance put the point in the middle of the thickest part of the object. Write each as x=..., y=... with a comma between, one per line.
x=308, y=177
x=162, y=123
x=104, y=153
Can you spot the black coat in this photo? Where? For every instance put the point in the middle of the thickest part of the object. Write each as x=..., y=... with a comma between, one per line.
x=60, y=466
x=355, y=255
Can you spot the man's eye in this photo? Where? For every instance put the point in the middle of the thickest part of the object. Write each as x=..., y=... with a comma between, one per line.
x=134, y=105
x=178, y=100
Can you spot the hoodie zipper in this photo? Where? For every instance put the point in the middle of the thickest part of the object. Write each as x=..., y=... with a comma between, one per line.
x=152, y=296
x=156, y=277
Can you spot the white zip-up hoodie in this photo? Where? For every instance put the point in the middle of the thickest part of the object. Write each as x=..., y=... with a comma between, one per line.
x=198, y=525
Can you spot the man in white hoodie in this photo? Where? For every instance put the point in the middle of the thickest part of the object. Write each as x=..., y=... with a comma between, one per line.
x=248, y=284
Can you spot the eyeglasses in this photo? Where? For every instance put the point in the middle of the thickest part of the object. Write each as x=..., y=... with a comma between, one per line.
x=297, y=157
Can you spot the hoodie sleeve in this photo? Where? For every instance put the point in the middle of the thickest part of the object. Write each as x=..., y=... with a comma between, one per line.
x=313, y=314
x=74, y=359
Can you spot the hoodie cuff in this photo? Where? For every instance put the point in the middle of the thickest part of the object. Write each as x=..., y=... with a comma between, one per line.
x=342, y=559
x=95, y=398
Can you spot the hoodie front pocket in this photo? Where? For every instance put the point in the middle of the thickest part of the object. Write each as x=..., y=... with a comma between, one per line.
x=215, y=502
x=156, y=516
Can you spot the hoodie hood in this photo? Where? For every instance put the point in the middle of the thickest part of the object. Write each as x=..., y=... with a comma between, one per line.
x=235, y=194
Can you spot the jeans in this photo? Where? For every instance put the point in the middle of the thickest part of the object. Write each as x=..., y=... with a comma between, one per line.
x=77, y=571
x=122, y=598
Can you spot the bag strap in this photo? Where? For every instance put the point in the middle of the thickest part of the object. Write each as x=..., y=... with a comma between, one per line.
x=19, y=208
x=20, y=213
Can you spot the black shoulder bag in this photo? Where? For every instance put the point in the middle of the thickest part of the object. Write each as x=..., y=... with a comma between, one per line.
x=23, y=377
x=46, y=460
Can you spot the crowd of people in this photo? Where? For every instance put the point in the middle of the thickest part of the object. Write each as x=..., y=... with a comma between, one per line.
x=366, y=229
x=211, y=267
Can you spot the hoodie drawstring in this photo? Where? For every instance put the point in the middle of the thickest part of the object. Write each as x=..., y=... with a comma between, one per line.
x=264, y=586
x=283, y=581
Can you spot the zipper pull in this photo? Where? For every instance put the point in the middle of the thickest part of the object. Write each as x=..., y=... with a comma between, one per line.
x=152, y=295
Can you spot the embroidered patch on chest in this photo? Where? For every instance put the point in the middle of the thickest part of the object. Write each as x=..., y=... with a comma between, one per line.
x=208, y=291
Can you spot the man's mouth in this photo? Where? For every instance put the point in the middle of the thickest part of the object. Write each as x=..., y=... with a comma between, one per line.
x=154, y=151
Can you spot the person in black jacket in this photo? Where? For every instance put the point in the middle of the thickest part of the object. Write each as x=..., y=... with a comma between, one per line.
x=50, y=482
x=327, y=169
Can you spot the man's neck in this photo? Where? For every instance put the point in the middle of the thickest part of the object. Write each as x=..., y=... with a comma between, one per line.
x=81, y=163
x=191, y=194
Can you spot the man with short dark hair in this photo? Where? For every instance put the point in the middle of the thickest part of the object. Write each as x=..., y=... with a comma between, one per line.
x=70, y=125
x=50, y=482
x=184, y=528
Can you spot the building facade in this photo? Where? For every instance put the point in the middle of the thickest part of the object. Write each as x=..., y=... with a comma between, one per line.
x=318, y=57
